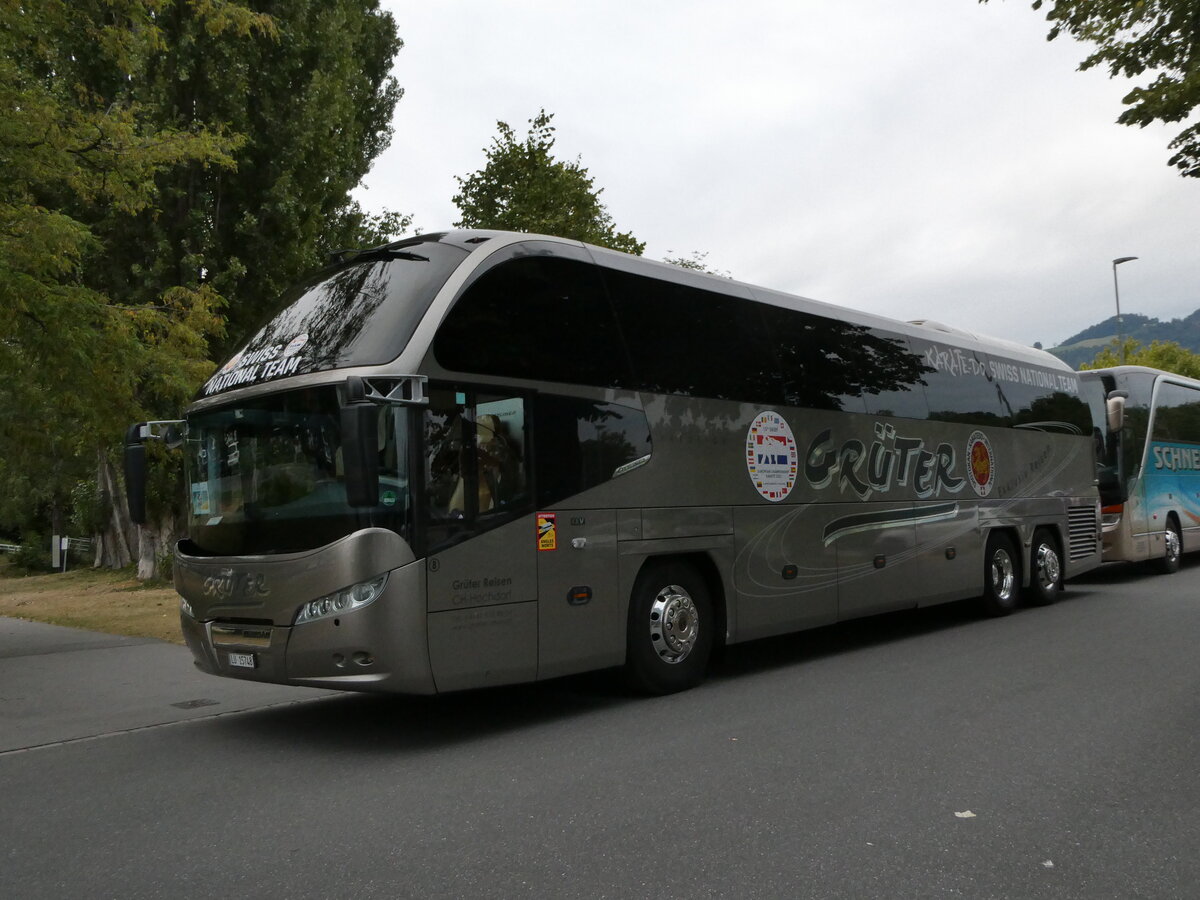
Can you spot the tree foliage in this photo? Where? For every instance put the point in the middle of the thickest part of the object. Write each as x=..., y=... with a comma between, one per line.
x=1156, y=38
x=1166, y=355
x=312, y=100
x=73, y=358
x=522, y=187
x=697, y=261
x=166, y=166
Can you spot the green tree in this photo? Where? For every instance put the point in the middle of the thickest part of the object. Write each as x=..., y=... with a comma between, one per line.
x=1158, y=38
x=163, y=161
x=73, y=359
x=522, y=187
x=1166, y=355
x=312, y=100
x=697, y=261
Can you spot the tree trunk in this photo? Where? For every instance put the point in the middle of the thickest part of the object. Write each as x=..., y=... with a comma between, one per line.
x=114, y=542
x=156, y=540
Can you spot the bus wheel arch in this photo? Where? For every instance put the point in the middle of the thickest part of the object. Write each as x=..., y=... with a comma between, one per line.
x=1001, y=573
x=676, y=621
x=1045, y=567
x=1168, y=563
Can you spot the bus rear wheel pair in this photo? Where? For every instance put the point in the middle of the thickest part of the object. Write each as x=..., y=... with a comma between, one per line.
x=1002, y=573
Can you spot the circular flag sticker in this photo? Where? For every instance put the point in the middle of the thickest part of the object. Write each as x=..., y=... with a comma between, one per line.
x=771, y=456
x=296, y=345
x=981, y=463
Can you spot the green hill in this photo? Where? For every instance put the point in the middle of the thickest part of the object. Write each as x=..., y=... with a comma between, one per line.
x=1083, y=347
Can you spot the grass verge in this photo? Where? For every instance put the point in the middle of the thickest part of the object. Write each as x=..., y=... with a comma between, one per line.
x=114, y=602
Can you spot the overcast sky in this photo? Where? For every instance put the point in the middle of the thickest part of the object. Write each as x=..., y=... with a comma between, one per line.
x=924, y=159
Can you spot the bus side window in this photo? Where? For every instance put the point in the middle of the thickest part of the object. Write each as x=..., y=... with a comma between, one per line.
x=1177, y=414
x=475, y=476
x=582, y=443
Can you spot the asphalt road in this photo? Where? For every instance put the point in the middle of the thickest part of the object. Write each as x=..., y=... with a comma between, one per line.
x=1053, y=753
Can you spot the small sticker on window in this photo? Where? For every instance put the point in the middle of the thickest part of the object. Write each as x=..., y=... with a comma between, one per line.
x=200, y=505
x=547, y=531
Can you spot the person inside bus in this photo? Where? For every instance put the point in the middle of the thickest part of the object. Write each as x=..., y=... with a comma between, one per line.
x=498, y=466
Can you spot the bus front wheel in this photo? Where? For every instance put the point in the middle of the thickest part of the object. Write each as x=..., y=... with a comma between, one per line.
x=670, y=633
x=1001, y=576
x=1045, y=572
x=1168, y=563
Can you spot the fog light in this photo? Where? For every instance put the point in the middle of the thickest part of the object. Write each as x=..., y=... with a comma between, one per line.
x=348, y=599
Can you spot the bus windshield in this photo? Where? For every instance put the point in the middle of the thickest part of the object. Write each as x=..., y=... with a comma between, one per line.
x=266, y=476
x=360, y=314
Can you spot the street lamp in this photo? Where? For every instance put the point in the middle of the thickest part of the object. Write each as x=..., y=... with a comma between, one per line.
x=1117, y=292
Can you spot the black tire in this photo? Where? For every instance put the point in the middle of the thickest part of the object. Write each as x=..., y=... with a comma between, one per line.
x=671, y=628
x=1168, y=563
x=1045, y=570
x=1001, y=576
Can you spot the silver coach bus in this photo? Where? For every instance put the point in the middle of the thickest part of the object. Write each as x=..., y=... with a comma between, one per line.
x=479, y=458
x=1147, y=431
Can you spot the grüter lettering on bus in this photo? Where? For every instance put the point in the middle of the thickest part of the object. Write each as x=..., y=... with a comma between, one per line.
x=890, y=460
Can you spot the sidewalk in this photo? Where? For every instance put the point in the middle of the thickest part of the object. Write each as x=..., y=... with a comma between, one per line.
x=61, y=684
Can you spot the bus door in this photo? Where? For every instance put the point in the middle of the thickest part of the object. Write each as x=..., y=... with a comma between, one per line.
x=477, y=514
x=578, y=626
x=1137, y=513
x=580, y=446
x=877, y=562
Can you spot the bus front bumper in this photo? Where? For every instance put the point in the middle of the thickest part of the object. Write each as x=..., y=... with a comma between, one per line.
x=381, y=647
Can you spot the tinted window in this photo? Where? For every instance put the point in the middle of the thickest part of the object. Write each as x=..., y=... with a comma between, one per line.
x=361, y=314
x=1132, y=444
x=537, y=317
x=582, y=443
x=895, y=385
x=830, y=364
x=959, y=385
x=1039, y=397
x=267, y=476
x=1177, y=414
x=475, y=463
x=699, y=343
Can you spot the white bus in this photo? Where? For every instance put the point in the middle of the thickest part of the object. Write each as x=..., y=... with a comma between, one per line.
x=477, y=458
x=1147, y=430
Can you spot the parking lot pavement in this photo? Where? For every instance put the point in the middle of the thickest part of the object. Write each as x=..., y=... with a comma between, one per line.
x=62, y=684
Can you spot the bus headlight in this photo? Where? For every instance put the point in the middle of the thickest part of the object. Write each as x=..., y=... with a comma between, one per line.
x=346, y=600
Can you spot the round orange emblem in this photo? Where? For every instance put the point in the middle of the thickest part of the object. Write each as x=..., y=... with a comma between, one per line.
x=980, y=463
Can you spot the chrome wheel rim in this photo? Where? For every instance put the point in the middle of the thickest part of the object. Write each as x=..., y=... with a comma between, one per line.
x=1003, y=576
x=1173, y=549
x=1049, y=569
x=674, y=624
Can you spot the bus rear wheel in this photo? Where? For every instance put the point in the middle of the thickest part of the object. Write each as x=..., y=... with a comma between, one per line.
x=1045, y=570
x=1168, y=563
x=670, y=633
x=1001, y=576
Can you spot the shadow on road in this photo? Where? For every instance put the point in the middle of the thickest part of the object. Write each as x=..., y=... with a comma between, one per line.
x=1123, y=572
x=366, y=723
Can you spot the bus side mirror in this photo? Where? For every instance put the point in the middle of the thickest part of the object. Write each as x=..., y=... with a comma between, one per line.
x=1115, y=407
x=360, y=446
x=135, y=473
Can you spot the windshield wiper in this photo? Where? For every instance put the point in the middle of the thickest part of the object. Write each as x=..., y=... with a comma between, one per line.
x=337, y=257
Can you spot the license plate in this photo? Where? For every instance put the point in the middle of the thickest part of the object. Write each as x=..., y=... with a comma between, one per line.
x=243, y=660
